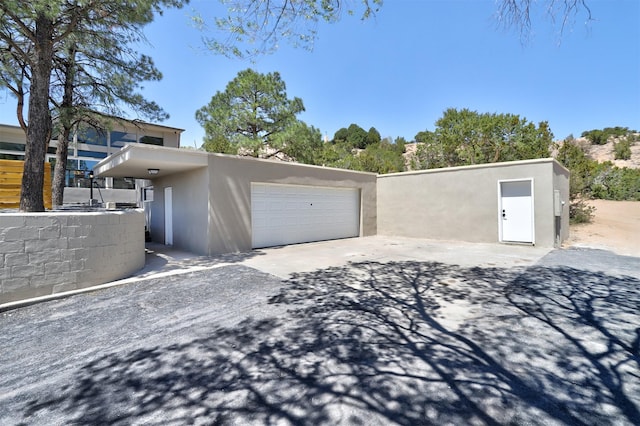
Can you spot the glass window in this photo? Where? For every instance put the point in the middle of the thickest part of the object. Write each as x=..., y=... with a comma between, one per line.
x=92, y=136
x=72, y=164
x=119, y=139
x=93, y=154
x=75, y=179
x=77, y=172
x=124, y=183
x=152, y=140
x=86, y=164
x=11, y=157
x=12, y=146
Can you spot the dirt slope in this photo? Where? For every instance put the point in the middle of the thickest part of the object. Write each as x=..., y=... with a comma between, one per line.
x=616, y=227
x=604, y=152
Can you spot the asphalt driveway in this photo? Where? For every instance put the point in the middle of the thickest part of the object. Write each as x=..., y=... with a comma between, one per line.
x=517, y=336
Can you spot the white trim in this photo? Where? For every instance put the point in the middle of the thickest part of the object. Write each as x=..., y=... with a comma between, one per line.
x=9, y=152
x=475, y=166
x=533, y=209
x=135, y=159
x=168, y=216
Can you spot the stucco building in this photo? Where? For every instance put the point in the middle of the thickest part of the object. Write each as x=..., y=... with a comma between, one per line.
x=213, y=203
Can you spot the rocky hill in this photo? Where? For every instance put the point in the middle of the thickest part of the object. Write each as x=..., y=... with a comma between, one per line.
x=602, y=153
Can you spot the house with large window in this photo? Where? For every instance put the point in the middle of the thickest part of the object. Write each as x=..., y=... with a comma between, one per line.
x=87, y=147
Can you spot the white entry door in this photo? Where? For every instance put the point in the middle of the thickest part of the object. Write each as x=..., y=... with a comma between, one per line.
x=290, y=214
x=168, y=216
x=516, y=211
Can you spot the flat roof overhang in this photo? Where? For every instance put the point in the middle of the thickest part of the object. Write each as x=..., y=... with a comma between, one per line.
x=135, y=160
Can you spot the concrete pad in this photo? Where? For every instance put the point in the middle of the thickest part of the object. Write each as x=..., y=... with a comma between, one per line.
x=283, y=262
x=287, y=260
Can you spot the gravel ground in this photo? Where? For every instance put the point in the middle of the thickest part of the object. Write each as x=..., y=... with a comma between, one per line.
x=393, y=342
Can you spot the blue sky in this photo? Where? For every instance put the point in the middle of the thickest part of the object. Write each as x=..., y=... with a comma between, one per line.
x=401, y=69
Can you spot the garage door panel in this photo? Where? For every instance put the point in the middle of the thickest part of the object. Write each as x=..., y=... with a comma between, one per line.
x=288, y=214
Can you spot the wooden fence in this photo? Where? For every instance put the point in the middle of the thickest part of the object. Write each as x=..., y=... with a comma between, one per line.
x=11, y=182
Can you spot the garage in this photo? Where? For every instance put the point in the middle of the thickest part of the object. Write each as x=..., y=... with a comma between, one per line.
x=290, y=214
x=210, y=204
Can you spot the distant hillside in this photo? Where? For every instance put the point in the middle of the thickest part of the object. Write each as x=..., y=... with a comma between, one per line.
x=602, y=153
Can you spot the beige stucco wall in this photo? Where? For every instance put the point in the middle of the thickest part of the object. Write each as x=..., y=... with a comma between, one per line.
x=461, y=203
x=212, y=205
x=12, y=134
x=561, y=183
x=230, y=195
x=190, y=206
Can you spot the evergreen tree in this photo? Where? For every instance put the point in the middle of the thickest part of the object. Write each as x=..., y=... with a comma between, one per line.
x=33, y=36
x=251, y=113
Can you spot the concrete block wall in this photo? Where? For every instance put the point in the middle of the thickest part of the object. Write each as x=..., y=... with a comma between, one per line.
x=47, y=253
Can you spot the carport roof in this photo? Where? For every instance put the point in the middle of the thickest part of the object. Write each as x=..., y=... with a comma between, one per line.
x=135, y=160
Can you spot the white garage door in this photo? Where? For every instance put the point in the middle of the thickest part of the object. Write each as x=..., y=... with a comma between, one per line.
x=290, y=214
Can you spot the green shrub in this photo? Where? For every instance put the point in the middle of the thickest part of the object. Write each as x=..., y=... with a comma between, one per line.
x=580, y=211
x=622, y=149
x=601, y=137
x=615, y=183
x=590, y=179
x=596, y=137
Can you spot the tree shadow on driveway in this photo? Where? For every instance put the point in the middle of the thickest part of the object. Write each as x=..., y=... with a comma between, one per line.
x=403, y=343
